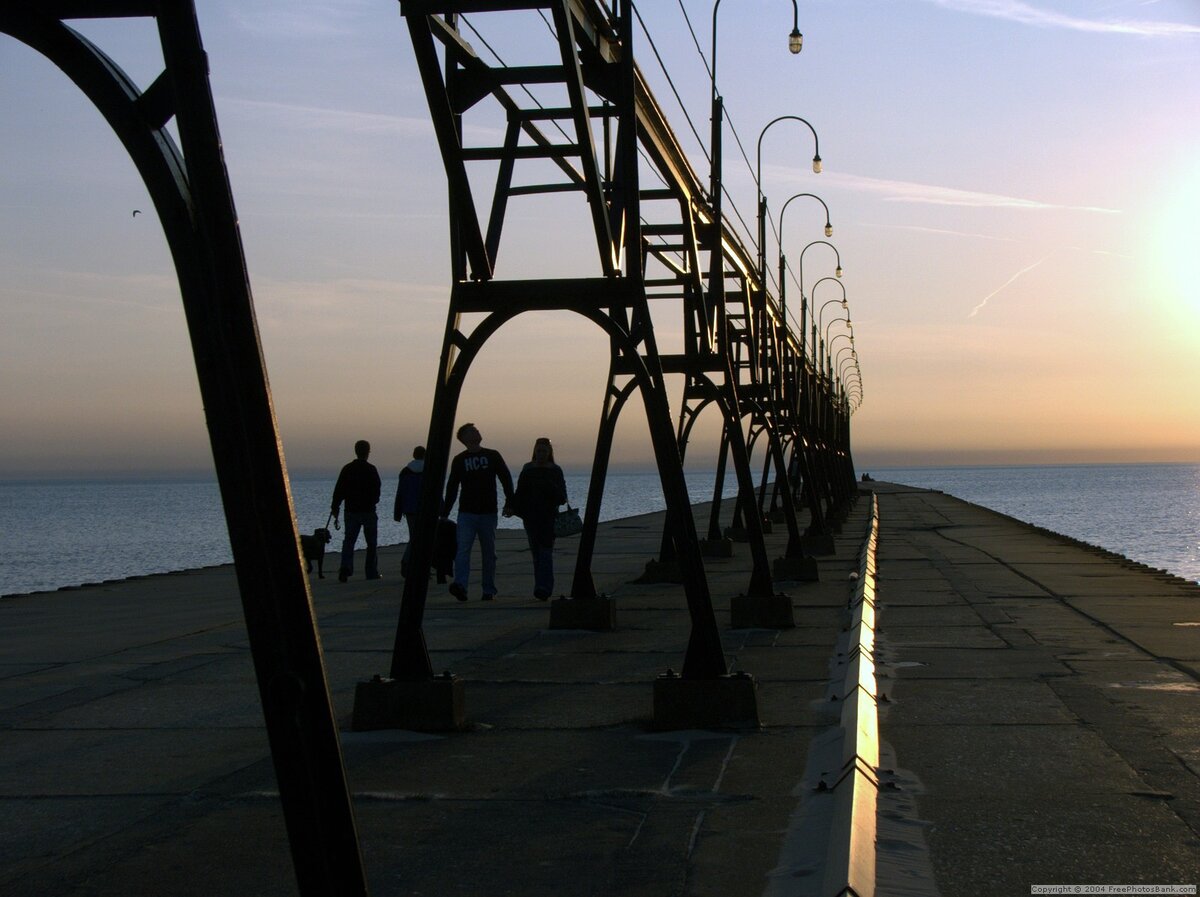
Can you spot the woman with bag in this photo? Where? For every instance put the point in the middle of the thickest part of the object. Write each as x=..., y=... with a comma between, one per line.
x=541, y=488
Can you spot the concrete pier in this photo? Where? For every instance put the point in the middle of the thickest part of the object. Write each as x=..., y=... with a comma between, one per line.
x=1038, y=712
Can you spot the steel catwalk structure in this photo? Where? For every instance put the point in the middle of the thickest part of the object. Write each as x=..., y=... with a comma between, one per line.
x=654, y=244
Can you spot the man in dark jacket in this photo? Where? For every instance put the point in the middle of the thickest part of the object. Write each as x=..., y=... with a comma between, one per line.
x=358, y=485
x=408, y=492
x=476, y=470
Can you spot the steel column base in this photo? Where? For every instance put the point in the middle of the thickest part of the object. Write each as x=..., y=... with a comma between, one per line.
x=818, y=543
x=766, y=612
x=716, y=548
x=598, y=614
x=799, y=569
x=430, y=705
x=661, y=571
x=726, y=702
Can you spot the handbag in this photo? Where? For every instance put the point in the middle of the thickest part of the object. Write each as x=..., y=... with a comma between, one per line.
x=567, y=523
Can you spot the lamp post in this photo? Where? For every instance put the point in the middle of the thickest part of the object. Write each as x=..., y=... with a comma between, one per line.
x=716, y=260
x=783, y=258
x=803, y=300
x=837, y=358
x=762, y=200
x=819, y=316
x=845, y=320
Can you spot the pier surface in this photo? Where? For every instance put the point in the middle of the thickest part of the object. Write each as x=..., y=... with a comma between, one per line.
x=1039, y=721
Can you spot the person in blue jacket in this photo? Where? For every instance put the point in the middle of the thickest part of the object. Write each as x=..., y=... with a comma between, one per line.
x=408, y=491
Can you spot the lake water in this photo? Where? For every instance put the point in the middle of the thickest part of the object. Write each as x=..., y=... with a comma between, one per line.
x=65, y=533
x=1147, y=512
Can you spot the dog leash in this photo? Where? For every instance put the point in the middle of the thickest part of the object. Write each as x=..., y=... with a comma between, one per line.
x=335, y=522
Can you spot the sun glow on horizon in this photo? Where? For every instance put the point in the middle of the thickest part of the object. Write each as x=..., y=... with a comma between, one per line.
x=1174, y=250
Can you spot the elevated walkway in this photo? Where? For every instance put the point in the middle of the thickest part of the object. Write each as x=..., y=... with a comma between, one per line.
x=1038, y=725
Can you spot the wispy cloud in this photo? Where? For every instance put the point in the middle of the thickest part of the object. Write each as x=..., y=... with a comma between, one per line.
x=942, y=231
x=1026, y=14
x=289, y=20
x=931, y=194
x=1005, y=285
x=324, y=118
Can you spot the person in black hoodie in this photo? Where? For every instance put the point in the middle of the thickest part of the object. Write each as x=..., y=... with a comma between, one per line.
x=541, y=488
x=476, y=471
x=358, y=485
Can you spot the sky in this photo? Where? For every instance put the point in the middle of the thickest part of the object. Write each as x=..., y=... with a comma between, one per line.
x=1014, y=189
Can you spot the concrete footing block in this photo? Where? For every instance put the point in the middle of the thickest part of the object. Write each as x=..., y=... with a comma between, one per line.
x=726, y=702
x=598, y=614
x=761, y=612
x=428, y=705
x=818, y=543
x=803, y=569
x=716, y=548
x=737, y=534
x=661, y=571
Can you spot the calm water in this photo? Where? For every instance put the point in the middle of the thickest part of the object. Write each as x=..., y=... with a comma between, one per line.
x=66, y=533
x=1147, y=512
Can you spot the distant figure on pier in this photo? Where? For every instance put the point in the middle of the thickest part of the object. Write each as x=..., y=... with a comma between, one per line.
x=408, y=491
x=476, y=470
x=541, y=488
x=358, y=485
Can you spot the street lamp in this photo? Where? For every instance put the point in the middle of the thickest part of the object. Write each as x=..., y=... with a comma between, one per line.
x=783, y=258
x=803, y=300
x=827, y=344
x=716, y=261
x=828, y=225
x=762, y=200
x=845, y=320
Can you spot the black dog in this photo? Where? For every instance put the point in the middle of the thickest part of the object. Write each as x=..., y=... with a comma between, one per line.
x=314, y=550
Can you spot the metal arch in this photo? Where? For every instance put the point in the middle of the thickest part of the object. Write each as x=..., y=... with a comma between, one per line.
x=195, y=207
x=410, y=657
x=733, y=441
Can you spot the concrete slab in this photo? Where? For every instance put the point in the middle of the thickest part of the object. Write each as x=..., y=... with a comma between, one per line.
x=1055, y=739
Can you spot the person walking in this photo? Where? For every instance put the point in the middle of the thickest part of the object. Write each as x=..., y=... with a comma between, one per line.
x=408, y=491
x=358, y=485
x=476, y=470
x=541, y=488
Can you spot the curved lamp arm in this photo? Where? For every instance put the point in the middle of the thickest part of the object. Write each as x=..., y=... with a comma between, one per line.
x=795, y=39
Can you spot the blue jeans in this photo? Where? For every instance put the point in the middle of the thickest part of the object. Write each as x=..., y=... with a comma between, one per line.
x=543, y=567
x=368, y=522
x=470, y=526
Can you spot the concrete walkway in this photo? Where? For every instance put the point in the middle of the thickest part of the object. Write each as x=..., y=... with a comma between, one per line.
x=1045, y=711
x=1042, y=728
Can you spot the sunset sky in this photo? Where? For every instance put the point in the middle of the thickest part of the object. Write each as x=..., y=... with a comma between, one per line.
x=1014, y=189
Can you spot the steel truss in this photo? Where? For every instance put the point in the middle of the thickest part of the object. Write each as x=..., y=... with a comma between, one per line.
x=191, y=194
x=653, y=244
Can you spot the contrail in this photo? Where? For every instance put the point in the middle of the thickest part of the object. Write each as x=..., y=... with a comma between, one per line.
x=976, y=309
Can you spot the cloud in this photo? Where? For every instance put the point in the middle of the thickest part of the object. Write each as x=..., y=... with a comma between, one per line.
x=1004, y=285
x=906, y=191
x=322, y=118
x=943, y=231
x=283, y=19
x=1025, y=14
